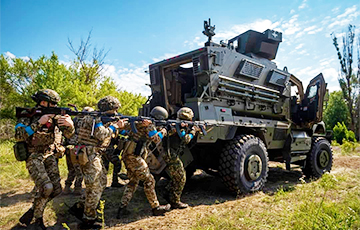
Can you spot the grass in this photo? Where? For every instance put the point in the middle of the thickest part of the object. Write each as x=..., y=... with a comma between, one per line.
x=331, y=202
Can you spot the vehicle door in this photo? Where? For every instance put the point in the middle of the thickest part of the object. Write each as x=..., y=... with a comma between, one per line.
x=312, y=104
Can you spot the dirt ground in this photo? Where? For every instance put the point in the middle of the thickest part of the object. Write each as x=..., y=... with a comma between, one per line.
x=204, y=194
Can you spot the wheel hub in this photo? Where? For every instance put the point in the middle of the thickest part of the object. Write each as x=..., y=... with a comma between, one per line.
x=324, y=158
x=254, y=167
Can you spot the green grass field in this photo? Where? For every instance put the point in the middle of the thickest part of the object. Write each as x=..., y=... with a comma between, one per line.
x=332, y=202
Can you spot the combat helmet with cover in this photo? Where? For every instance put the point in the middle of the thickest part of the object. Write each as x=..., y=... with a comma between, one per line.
x=108, y=103
x=48, y=95
x=185, y=113
x=159, y=113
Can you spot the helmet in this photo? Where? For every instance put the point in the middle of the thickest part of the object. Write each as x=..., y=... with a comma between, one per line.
x=48, y=95
x=108, y=103
x=159, y=113
x=185, y=113
x=87, y=109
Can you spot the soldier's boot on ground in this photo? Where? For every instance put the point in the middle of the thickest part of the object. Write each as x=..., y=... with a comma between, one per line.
x=123, y=176
x=39, y=224
x=27, y=217
x=160, y=210
x=77, y=191
x=179, y=205
x=67, y=190
x=77, y=210
x=122, y=212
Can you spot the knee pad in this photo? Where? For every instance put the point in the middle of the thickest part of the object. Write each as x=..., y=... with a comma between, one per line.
x=48, y=189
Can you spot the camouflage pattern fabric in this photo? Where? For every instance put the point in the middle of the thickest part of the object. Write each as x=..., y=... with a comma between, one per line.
x=111, y=156
x=93, y=170
x=175, y=168
x=42, y=171
x=137, y=169
x=74, y=171
x=43, y=141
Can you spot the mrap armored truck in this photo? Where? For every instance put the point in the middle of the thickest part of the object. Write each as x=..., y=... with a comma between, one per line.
x=255, y=112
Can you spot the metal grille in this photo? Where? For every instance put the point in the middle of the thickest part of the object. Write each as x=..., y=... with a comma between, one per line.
x=196, y=65
x=251, y=69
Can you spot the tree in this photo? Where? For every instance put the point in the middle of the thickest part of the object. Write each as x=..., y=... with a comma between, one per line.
x=348, y=79
x=336, y=110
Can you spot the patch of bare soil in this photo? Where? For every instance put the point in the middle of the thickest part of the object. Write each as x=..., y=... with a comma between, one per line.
x=204, y=193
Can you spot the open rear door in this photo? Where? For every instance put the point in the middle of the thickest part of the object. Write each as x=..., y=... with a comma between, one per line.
x=312, y=104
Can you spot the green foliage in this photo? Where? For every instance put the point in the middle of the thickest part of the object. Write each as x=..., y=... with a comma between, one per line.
x=341, y=133
x=348, y=147
x=336, y=110
x=77, y=83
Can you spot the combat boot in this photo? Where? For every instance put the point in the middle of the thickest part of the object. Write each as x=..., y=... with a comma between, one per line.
x=27, y=217
x=179, y=205
x=122, y=212
x=39, y=224
x=67, y=190
x=77, y=191
x=123, y=176
x=160, y=210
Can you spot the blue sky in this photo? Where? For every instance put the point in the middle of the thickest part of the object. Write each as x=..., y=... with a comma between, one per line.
x=139, y=33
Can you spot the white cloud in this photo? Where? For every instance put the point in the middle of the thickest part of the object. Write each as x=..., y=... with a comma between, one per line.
x=133, y=79
x=303, y=5
x=292, y=11
x=345, y=18
x=292, y=26
x=7, y=54
x=299, y=46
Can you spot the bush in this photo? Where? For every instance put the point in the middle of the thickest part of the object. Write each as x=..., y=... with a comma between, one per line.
x=341, y=133
x=348, y=146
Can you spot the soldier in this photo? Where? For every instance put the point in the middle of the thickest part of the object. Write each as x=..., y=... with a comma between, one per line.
x=175, y=168
x=74, y=170
x=112, y=155
x=42, y=136
x=93, y=139
x=137, y=169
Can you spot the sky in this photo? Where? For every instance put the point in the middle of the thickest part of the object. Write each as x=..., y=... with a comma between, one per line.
x=138, y=33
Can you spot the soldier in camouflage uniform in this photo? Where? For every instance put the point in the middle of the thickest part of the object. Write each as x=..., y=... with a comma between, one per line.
x=93, y=139
x=74, y=170
x=43, y=136
x=112, y=155
x=175, y=168
x=137, y=169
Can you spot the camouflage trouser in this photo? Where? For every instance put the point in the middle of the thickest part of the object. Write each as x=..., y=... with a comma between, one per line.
x=115, y=160
x=42, y=172
x=175, y=170
x=137, y=170
x=95, y=180
x=74, y=171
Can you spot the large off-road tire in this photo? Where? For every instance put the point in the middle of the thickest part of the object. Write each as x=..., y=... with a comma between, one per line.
x=243, y=164
x=319, y=159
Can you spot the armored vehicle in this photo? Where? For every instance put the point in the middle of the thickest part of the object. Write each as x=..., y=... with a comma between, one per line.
x=256, y=111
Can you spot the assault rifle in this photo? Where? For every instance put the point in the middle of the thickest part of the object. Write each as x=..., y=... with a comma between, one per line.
x=105, y=117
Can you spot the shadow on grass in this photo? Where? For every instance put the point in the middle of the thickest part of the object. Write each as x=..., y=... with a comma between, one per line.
x=201, y=189
x=11, y=198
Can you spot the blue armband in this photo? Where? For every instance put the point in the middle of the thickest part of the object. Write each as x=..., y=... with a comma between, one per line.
x=123, y=132
x=97, y=125
x=182, y=133
x=160, y=135
x=28, y=129
x=112, y=128
x=152, y=133
x=191, y=136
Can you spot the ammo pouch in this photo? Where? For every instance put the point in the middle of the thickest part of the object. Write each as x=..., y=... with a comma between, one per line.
x=78, y=155
x=21, y=151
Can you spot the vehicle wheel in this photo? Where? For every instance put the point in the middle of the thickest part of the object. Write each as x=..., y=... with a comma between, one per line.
x=243, y=164
x=319, y=159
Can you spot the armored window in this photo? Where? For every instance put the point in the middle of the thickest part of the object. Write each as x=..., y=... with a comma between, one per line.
x=278, y=78
x=312, y=91
x=249, y=69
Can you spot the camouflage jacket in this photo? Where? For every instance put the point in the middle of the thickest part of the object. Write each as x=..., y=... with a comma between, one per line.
x=45, y=138
x=95, y=135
